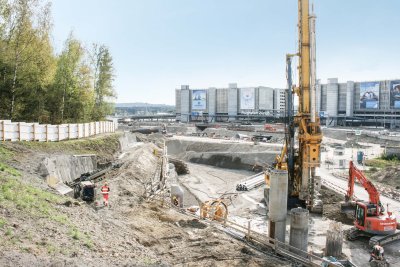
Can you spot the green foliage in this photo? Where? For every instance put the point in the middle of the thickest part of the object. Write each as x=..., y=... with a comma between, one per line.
x=75, y=234
x=382, y=162
x=36, y=85
x=103, y=77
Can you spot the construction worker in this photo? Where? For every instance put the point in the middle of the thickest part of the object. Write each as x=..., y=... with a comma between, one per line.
x=175, y=201
x=105, y=190
x=377, y=253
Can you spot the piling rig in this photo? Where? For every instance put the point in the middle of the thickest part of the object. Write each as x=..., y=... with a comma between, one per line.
x=301, y=159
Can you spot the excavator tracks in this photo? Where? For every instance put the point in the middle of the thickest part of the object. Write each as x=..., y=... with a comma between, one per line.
x=384, y=240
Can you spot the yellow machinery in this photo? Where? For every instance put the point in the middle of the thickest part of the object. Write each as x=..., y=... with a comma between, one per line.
x=214, y=209
x=300, y=162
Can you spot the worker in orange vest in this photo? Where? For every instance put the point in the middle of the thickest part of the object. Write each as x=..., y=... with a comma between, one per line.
x=105, y=190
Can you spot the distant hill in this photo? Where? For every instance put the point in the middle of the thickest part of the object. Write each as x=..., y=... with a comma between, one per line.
x=143, y=108
x=140, y=105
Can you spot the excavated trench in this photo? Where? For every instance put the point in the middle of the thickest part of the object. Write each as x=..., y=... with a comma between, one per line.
x=224, y=154
x=61, y=169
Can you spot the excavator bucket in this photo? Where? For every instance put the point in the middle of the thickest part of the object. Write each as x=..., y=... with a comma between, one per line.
x=348, y=208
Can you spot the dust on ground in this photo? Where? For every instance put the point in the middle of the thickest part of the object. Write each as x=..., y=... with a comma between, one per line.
x=60, y=231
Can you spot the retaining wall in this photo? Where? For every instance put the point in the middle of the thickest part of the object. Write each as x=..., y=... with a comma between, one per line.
x=22, y=131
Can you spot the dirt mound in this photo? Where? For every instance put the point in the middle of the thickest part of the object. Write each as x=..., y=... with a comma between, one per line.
x=331, y=206
x=389, y=175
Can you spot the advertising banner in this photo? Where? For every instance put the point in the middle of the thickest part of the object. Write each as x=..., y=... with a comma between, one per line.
x=247, y=98
x=199, y=99
x=369, y=95
x=395, y=94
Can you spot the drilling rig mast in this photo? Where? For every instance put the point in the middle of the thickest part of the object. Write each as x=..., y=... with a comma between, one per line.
x=301, y=161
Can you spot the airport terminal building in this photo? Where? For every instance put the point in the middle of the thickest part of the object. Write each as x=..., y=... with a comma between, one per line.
x=375, y=103
x=359, y=103
x=228, y=104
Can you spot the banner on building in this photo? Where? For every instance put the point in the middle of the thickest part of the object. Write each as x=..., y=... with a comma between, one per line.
x=395, y=94
x=247, y=98
x=199, y=99
x=369, y=95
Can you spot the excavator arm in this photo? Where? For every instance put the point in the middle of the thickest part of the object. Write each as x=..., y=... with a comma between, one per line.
x=355, y=173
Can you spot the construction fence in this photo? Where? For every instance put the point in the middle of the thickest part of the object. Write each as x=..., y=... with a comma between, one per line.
x=22, y=131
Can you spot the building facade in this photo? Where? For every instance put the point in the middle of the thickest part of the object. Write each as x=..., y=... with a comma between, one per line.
x=228, y=104
x=354, y=103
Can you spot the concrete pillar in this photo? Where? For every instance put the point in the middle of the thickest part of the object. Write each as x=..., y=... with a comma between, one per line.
x=277, y=204
x=334, y=240
x=177, y=195
x=299, y=230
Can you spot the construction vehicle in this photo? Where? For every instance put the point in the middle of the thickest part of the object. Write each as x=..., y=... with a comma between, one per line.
x=85, y=186
x=370, y=217
x=214, y=209
x=269, y=128
x=301, y=161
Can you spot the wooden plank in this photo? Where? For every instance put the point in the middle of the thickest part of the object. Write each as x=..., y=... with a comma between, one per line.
x=47, y=133
x=4, y=131
x=19, y=131
x=34, y=131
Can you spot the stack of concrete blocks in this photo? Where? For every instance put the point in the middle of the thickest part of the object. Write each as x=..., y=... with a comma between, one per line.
x=232, y=101
x=185, y=103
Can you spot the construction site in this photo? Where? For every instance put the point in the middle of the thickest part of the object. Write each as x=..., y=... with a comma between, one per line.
x=215, y=192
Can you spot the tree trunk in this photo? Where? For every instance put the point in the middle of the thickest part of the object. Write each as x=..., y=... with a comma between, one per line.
x=13, y=89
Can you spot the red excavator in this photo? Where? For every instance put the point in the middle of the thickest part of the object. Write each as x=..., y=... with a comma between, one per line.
x=371, y=219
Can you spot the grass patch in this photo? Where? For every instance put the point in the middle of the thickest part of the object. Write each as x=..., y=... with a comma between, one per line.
x=9, y=170
x=2, y=222
x=75, y=234
x=84, y=146
x=5, y=154
x=51, y=249
x=9, y=232
x=37, y=202
x=382, y=162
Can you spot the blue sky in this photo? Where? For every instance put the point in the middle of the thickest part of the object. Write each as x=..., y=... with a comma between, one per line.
x=157, y=45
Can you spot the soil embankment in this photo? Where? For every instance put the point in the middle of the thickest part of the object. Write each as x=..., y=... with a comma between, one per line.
x=41, y=228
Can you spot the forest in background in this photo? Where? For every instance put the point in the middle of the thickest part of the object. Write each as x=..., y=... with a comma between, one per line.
x=38, y=85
